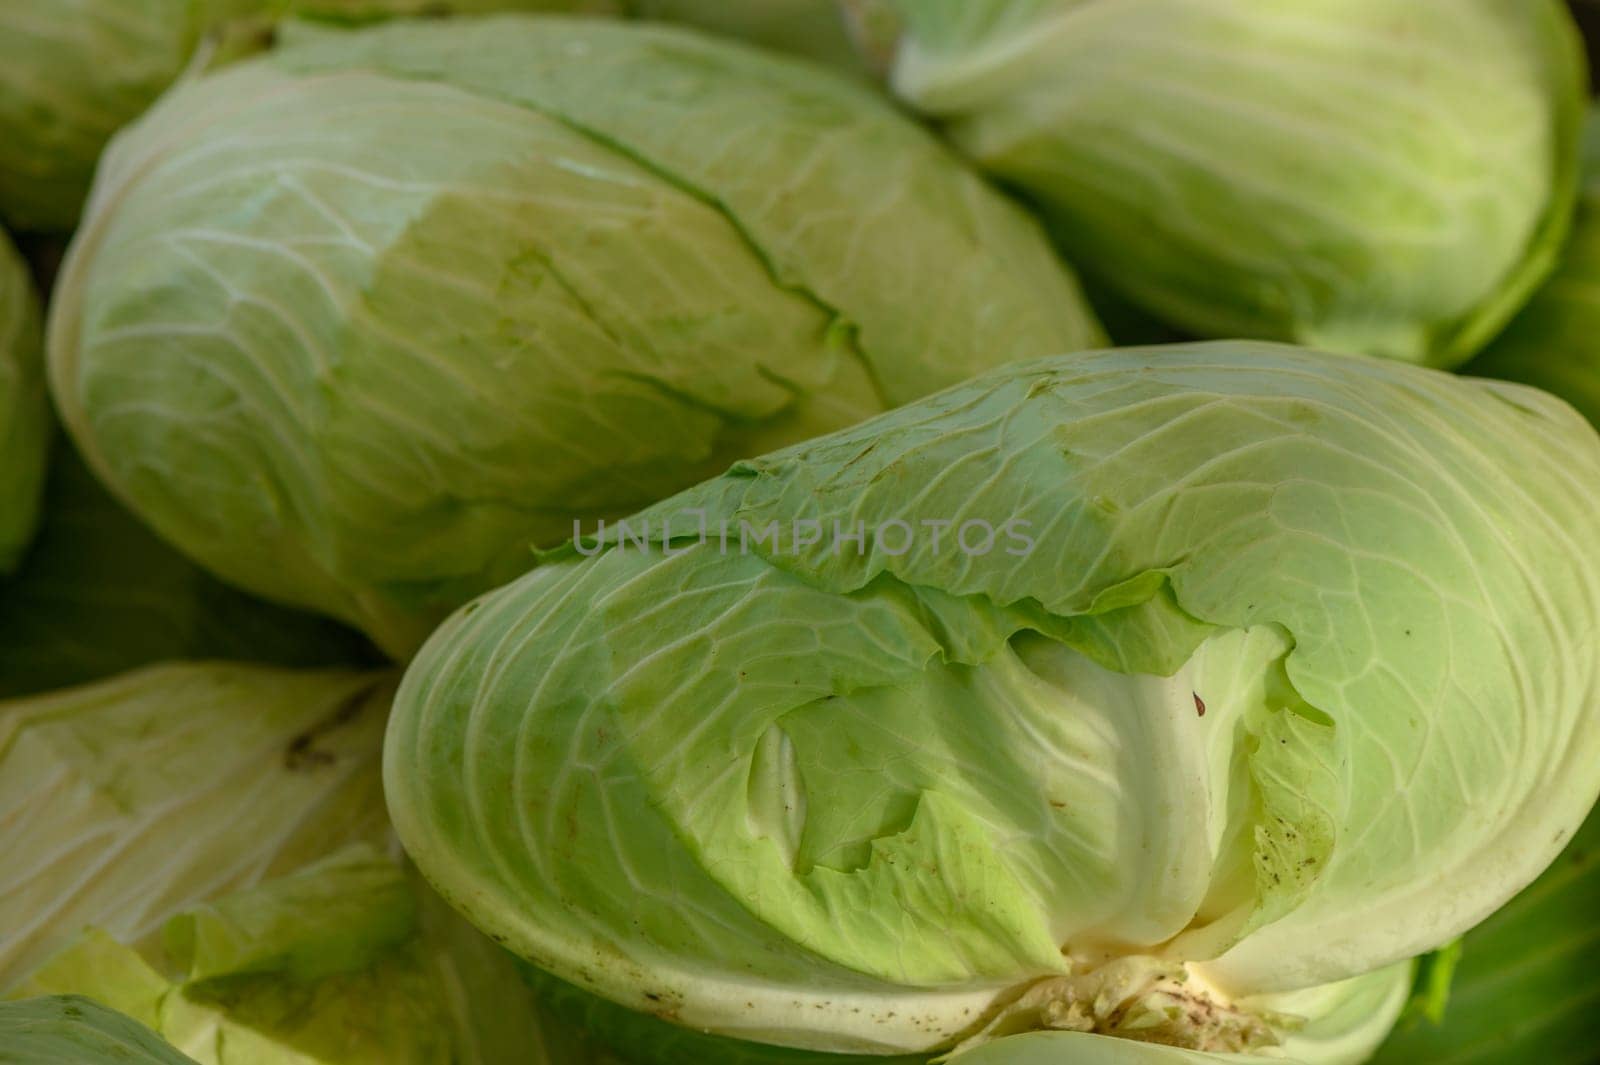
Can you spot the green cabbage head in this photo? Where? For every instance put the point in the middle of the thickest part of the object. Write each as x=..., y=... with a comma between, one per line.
x=24, y=412
x=1555, y=342
x=73, y=72
x=1155, y=694
x=549, y=269
x=1373, y=176
x=204, y=848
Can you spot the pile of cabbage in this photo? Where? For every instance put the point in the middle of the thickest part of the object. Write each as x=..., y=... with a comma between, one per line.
x=800, y=532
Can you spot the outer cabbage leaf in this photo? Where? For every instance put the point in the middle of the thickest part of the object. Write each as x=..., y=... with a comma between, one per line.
x=1366, y=176
x=638, y=1038
x=68, y=1030
x=1296, y=681
x=346, y=962
x=1553, y=342
x=99, y=594
x=550, y=269
x=204, y=848
x=127, y=801
x=1348, y=1019
x=1524, y=988
x=73, y=72
x=24, y=413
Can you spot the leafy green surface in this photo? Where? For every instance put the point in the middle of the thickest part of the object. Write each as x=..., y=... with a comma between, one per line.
x=551, y=269
x=1553, y=343
x=71, y=73
x=1525, y=988
x=24, y=412
x=99, y=594
x=130, y=800
x=643, y=1038
x=1366, y=176
x=843, y=797
x=345, y=962
x=204, y=848
x=70, y=1030
x=74, y=72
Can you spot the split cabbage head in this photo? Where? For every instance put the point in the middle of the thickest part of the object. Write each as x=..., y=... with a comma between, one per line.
x=549, y=270
x=1555, y=342
x=1165, y=695
x=1392, y=178
x=24, y=412
x=73, y=72
x=204, y=848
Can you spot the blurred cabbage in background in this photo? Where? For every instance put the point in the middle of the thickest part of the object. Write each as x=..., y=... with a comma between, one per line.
x=548, y=271
x=204, y=849
x=1363, y=176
